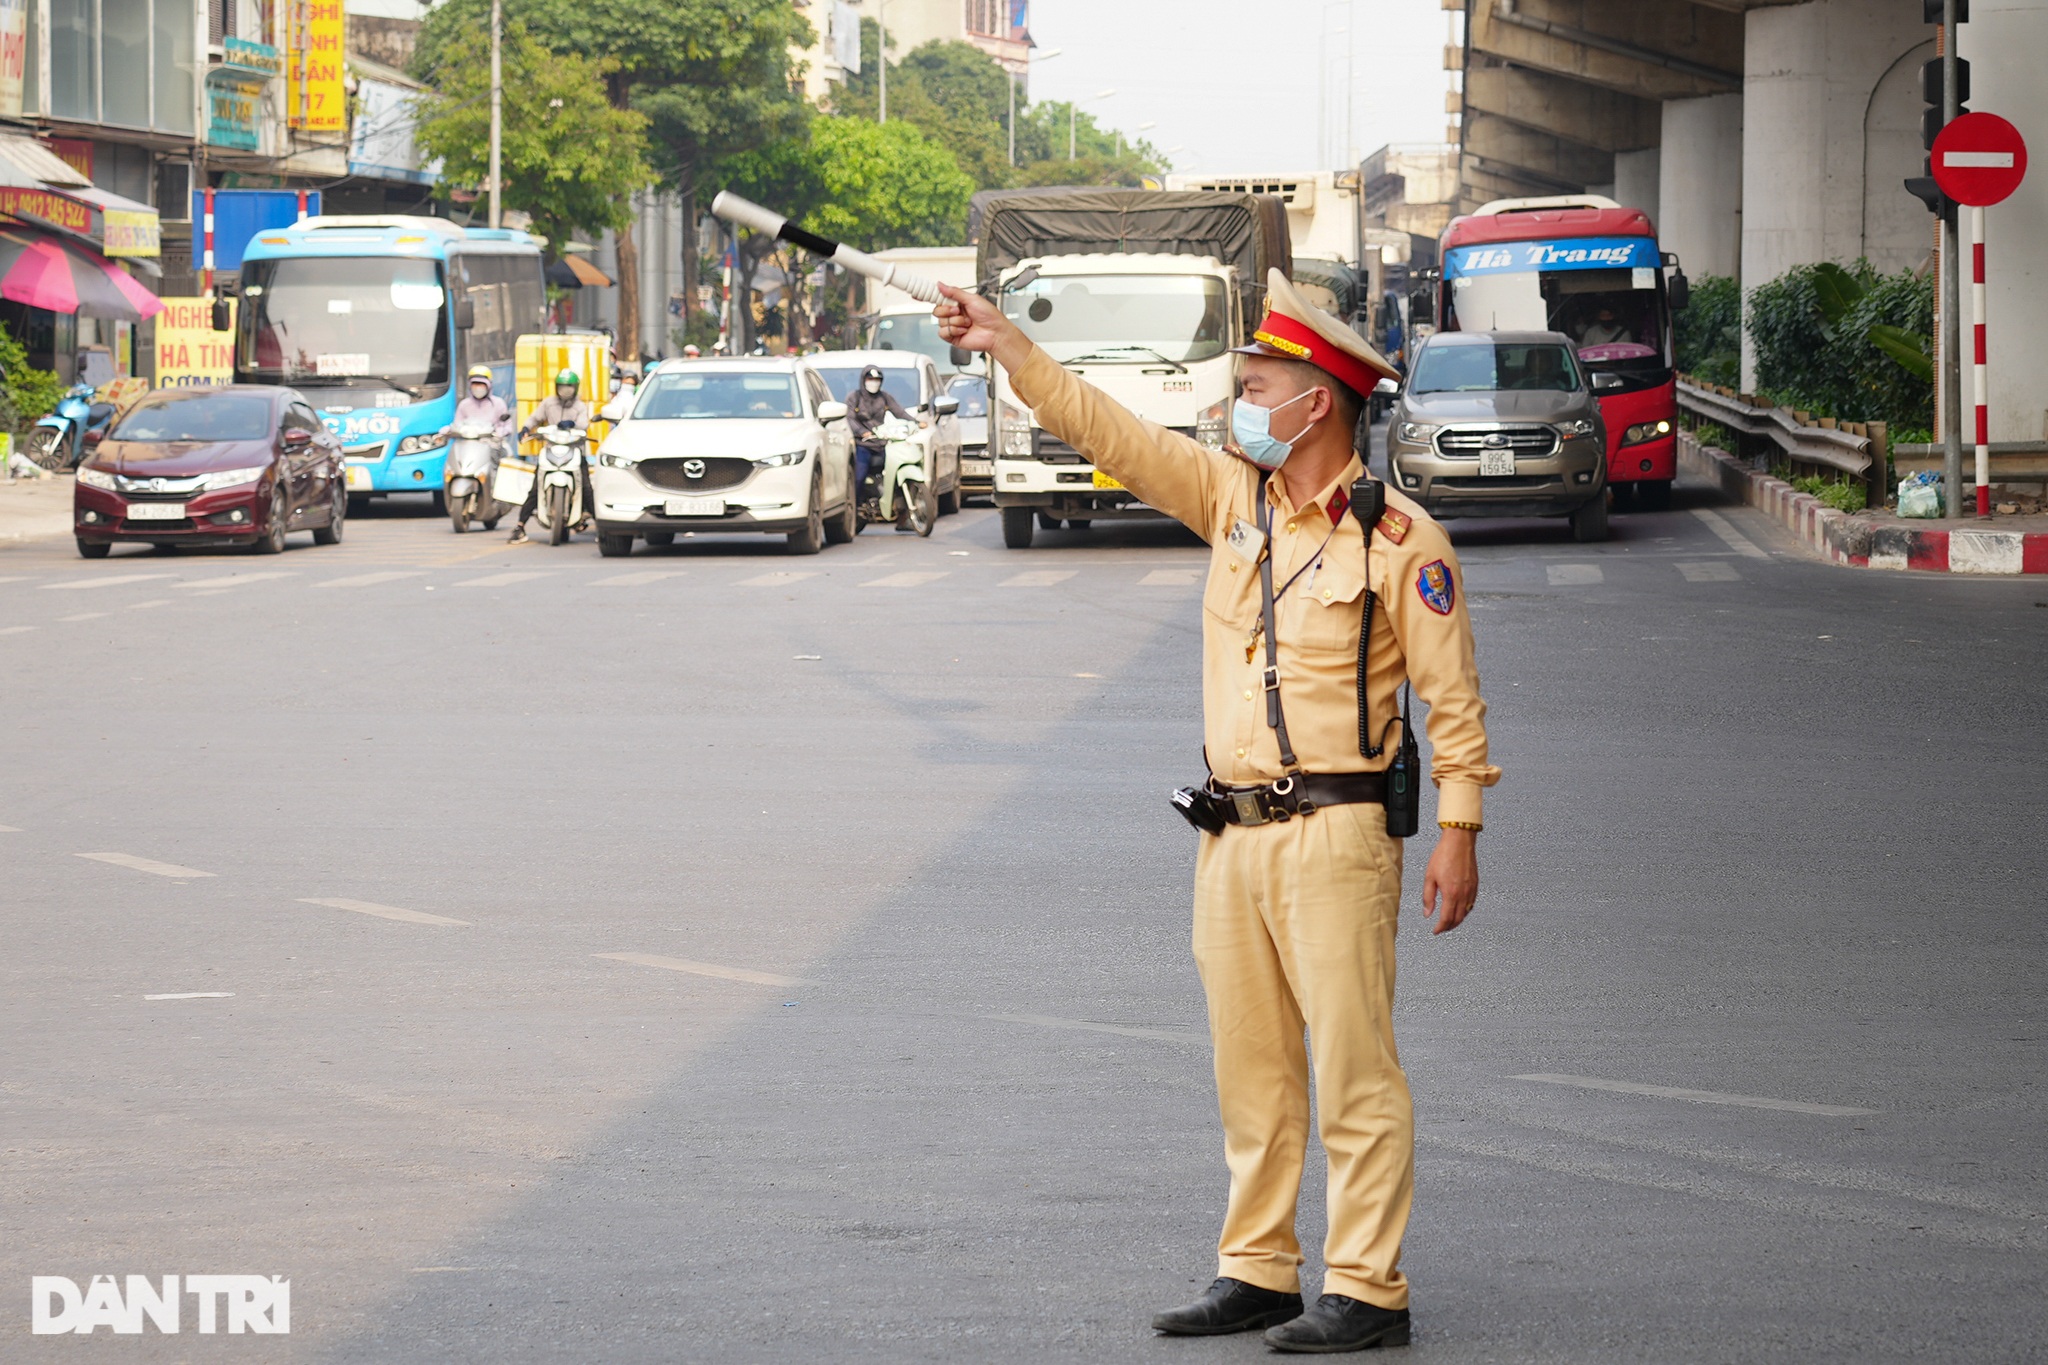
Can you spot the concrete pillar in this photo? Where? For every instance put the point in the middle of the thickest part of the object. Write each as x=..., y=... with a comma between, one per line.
x=1812, y=75
x=1699, y=189
x=2003, y=42
x=1635, y=179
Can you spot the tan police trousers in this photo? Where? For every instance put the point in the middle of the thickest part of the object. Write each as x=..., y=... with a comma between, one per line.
x=1294, y=926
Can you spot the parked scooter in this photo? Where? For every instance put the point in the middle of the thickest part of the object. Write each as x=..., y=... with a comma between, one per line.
x=563, y=452
x=903, y=487
x=474, y=450
x=58, y=440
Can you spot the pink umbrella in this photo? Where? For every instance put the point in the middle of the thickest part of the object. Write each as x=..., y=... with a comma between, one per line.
x=68, y=277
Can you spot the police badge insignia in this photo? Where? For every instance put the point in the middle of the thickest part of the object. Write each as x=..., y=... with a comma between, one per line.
x=1433, y=585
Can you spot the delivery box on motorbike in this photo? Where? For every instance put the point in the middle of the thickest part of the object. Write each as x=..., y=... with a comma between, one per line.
x=514, y=479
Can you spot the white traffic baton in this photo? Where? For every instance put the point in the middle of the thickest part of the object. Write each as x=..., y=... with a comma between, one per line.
x=734, y=209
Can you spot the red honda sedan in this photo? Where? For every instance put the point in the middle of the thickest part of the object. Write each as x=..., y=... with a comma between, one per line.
x=246, y=464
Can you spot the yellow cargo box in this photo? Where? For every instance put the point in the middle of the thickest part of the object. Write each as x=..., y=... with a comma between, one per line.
x=542, y=356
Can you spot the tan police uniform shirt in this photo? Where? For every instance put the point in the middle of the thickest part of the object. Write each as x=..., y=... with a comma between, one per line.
x=1420, y=628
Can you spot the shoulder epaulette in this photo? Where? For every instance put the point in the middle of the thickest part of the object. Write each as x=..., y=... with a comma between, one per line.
x=1394, y=525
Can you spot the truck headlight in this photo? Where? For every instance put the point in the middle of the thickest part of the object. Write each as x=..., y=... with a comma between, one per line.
x=1013, y=425
x=1582, y=427
x=95, y=478
x=1212, y=424
x=782, y=461
x=1646, y=431
x=1418, y=433
x=420, y=445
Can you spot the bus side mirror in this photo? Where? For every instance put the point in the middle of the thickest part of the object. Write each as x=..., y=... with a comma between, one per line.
x=1604, y=382
x=223, y=316
x=465, y=314
x=1679, y=291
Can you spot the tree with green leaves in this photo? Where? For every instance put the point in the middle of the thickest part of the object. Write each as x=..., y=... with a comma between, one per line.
x=569, y=159
x=713, y=77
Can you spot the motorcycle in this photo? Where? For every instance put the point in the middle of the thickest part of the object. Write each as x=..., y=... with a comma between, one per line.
x=564, y=450
x=474, y=449
x=903, y=487
x=65, y=429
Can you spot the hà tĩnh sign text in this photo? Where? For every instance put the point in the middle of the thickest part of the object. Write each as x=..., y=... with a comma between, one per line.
x=189, y=353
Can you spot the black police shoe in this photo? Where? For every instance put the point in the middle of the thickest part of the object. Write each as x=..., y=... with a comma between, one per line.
x=1228, y=1306
x=1337, y=1323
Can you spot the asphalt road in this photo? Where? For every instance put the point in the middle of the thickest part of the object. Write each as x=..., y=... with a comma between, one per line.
x=820, y=988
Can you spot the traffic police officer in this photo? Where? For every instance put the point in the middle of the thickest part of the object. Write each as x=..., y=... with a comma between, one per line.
x=1297, y=893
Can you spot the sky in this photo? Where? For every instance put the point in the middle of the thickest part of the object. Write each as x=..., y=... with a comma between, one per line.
x=1236, y=82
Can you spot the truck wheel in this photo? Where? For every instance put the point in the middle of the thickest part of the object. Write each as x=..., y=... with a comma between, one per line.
x=1048, y=522
x=1589, y=523
x=1654, y=495
x=1017, y=527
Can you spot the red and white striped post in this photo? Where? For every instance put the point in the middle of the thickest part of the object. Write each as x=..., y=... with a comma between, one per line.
x=207, y=228
x=1980, y=374
x=302, y=206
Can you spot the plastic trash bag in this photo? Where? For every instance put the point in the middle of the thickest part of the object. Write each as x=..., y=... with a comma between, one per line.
x=1920, y=495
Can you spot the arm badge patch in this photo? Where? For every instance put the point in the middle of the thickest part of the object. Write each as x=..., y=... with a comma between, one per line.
x=1434, y=586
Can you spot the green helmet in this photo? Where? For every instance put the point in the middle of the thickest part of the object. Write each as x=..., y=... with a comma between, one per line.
x=567, y=377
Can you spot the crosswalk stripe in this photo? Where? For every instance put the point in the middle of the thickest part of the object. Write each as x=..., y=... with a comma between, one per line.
x=1709, y=571
x=1725, y=529
x=364, y=580
x=634, y=580
x=909, y=579
x=78, y=584
x=383, y=911
x=83, y=616
x=503, y=580
x=226, y=581
x=1170, y=578
x=129, y=860
x=1574, y=575
x=777, y=579
x=1037, y=578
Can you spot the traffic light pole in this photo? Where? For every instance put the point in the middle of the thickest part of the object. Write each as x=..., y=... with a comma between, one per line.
x=1951, y=299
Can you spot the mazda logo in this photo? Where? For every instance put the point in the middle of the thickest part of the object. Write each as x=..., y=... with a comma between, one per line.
x=693, y=469
x=1494, y=440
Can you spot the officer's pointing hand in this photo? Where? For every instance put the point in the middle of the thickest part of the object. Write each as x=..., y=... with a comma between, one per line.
x=973, y=323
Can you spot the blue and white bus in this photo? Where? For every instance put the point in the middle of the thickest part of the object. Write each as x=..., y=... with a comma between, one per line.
x=376, y=320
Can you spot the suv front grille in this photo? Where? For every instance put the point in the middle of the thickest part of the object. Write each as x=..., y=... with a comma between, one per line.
x=696, y=476
x=1469, y=443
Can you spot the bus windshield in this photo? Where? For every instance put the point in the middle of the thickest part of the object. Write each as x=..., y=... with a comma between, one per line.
x=1604, y=296
x=344, y=322
x=1123, y=319
x=915, y=332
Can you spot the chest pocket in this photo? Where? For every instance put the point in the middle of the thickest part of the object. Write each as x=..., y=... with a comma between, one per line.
x=1231, y=595
x=1326, y=614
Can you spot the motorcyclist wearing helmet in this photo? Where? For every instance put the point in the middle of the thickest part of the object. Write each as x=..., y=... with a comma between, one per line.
x=867, y=408
x=479, y=404
x=563, y=408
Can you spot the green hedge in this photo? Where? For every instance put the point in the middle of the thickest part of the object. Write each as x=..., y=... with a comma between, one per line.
x=1831, y=340
x=29, y=393
x=1709, y=331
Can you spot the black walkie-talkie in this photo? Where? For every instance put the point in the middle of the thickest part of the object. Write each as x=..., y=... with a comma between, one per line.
x=1404, y=781
x=1404, y=774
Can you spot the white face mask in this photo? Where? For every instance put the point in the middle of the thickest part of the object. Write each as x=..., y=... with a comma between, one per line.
x=479, y=390
x=873, y=386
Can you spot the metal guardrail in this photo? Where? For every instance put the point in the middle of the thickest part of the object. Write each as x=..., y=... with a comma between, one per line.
x=1843, y=450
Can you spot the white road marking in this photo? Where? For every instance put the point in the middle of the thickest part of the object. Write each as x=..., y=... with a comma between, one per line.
x=634, y=580
x=1089, y=1026
x=1574, y=575
x=152, y=602
x=17, y=578
x=683, y=964
x=10, y=829
x=1170, y=578
x=15, y=630
x=83, y=616
x=504, y=580
x=76, y=584
x=364, y=580
x=194, y=995
x=777, y=579
x=223, y=583
x=1669, y=1092
x=1709, y=571
x=909, y=578
x=383, y=911
x=129, y=860
x=1725, y=529
x=1036, y=578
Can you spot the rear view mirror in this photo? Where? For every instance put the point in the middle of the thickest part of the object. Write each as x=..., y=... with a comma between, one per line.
x=831, y=412
x=1387, y=386
x=1678, y=291
x=1023, y=280
x=465, y=314
x=297, y=437
x=946, y=406
x=223, y=315
x=1605, y=383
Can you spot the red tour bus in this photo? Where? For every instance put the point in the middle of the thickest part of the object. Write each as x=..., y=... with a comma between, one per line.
x=1587, y=267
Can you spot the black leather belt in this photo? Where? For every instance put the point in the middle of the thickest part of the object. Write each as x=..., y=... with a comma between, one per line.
x=1297, y=795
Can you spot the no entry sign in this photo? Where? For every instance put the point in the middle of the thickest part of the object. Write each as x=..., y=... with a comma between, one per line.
x=1979, y=159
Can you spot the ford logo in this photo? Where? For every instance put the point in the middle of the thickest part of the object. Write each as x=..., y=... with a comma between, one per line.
x=1494, y=440
x=693, y=469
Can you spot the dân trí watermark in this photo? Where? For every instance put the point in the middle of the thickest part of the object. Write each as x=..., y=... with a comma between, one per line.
x=232, y=1303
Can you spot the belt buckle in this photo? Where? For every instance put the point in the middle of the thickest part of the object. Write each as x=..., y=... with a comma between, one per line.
x=1249, y=811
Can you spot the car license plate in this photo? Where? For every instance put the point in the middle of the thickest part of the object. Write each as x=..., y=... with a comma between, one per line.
x=977, y=469
x=358, y=477
x=1496, y=462
x=694, y=507
x=1103, y=480
x=156, y=511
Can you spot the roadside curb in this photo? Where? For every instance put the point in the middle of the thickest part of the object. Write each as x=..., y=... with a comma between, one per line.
x=1841, y=538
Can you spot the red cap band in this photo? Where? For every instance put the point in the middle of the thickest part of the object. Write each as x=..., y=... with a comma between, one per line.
x=1281, y=333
